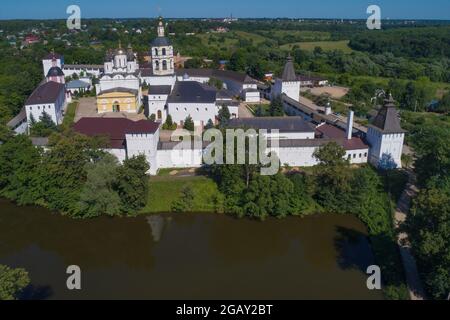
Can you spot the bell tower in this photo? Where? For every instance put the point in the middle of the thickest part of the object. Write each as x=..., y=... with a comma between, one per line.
x=162, y=53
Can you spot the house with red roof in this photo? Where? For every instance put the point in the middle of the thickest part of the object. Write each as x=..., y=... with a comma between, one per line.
x=126, y=138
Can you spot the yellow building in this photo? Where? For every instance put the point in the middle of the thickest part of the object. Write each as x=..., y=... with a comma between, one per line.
x=118, y=100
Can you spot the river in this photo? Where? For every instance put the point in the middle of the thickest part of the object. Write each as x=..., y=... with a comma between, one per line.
x=188, y=256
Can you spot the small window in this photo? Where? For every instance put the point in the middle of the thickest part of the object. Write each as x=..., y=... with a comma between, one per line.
x=365, y=155
x=349, y=157
x=354, y=156
x=360, y=155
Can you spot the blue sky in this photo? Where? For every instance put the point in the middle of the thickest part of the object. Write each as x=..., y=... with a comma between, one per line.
x=48, y=9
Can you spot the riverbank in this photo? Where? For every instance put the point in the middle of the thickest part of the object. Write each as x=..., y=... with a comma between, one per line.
x=166, y=189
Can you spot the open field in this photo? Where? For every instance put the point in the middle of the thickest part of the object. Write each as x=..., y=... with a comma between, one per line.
x=303, y=35
x=325, y=45
x=165, y=189
x=334, y=92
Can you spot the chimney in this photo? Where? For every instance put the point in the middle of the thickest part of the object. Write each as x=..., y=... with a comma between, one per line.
x=328, y=109
x=350, y=125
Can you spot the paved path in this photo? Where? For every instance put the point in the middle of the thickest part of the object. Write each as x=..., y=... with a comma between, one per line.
x=244, y=112
x=413, y=281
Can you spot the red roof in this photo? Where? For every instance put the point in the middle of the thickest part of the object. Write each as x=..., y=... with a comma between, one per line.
x=48, y=92
x=327, y=131
x=353, y=144
x=115, y=128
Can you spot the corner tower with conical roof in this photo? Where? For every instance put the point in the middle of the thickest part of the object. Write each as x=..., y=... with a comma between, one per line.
x=289, y=83
x=162, y=53
x=385, y=135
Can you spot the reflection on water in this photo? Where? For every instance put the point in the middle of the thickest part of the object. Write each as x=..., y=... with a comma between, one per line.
x=191, y=256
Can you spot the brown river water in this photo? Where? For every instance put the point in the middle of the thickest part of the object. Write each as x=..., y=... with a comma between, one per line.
x=188, y=256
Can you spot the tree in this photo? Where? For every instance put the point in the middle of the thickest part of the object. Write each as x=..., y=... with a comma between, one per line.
x=238, y=61
x=276, y=107
x=98, y=195
x=209, y=125
x=332, y=177
x=169, y=125
x=217, y=83
x=12, y=282
x=132, y=184
x=44, y=127
x=433, y=153
x=428, y=226
x=62, y=174
x=194, y=63
x=5, y=133
x=185, y=202
x=224, y=116
x=407, y=160
x=387, y=163
x=444, y=104
x=189, y=124
x=19, y=163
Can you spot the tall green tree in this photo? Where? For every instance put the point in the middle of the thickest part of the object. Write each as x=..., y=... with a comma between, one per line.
x=98, y=196
x=332, y=176
x=276, y=107
x=189, y=124
x=428, y=226
x=132, y=184
x=12, y=282
x=224, y=116
x=44, y=127
x=19, y=163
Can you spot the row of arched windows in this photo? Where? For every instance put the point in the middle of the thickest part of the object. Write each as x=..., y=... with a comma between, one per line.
x=164, y=65
x=163, y=52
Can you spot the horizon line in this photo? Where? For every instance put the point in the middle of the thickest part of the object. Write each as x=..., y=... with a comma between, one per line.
x=224, y=17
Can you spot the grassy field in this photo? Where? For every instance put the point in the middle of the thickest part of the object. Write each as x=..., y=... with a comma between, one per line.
x=165, y=189
x=325, y=45
x=303, y=35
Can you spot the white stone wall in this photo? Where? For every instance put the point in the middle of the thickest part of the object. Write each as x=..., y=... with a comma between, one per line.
x=290, y=88
x=157, y=103
x=168, y=159
x=297, y=157
x=54, y=110
x=120, y=154
x=385, y=144
x=358, y=156
x=144, y=144
x=68, y=72
x=252, y=97
x=160, y=80
x=200, y=112
x=197, y=79
x=291, y=135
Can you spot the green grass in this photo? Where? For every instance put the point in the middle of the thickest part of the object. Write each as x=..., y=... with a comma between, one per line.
x=301, y=35
x=166, y=189
x=325, y=45
x=70, y=115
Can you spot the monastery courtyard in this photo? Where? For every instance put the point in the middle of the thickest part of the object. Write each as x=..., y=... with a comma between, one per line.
x=87, y=108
